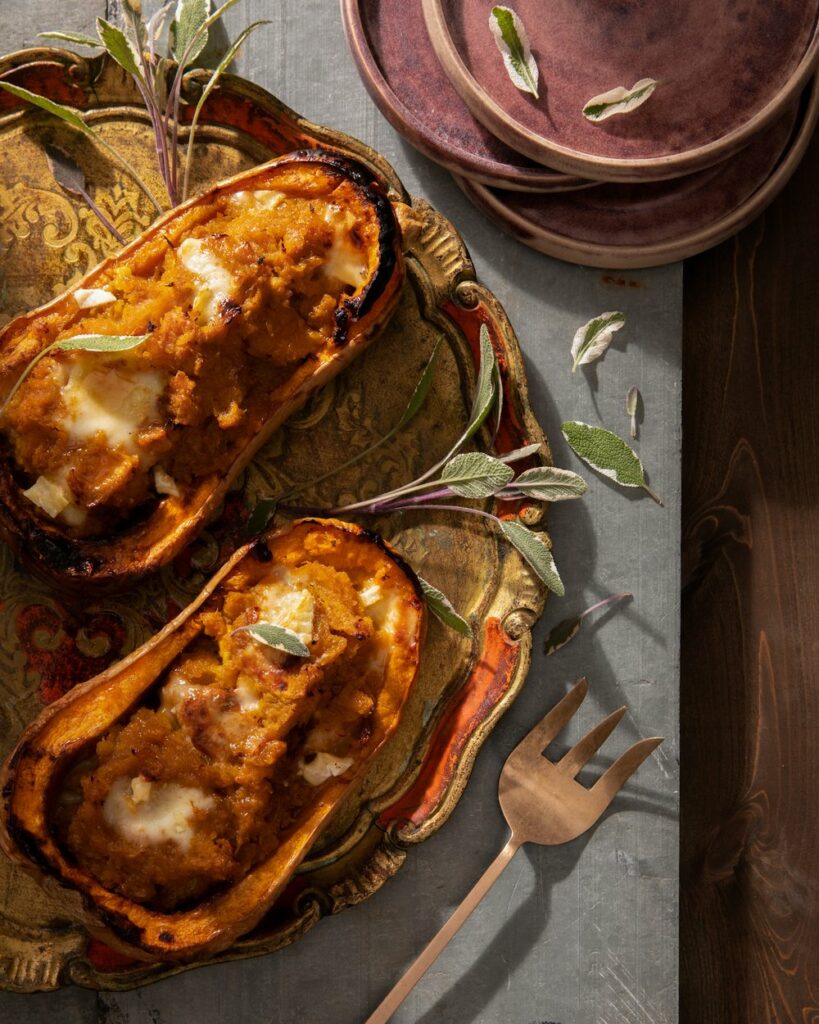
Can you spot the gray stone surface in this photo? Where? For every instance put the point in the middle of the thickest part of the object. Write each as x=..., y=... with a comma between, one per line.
x=579, y=934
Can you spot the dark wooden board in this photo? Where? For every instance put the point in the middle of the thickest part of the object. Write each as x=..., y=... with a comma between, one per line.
x=750, y=700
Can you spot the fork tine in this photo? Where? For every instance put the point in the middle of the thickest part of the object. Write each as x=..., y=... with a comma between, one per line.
x=578, y=756
x=538, y=738
x=618, y=774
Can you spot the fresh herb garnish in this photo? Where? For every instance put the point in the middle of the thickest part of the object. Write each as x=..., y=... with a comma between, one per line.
x=279, y=637
x=441, y=607
x=513, y=42
x=79, y=343
x=608, y=454
x=593, y=339
x=632, y=405
x=619, y=101
x=137, y=50
x=567, y=629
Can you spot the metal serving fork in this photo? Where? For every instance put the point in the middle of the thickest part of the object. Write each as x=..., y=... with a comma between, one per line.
x=542, y=803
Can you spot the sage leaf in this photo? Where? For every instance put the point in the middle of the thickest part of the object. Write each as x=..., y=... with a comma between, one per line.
x=280, y=637
x=260, y=516
x=498, y=415
x=536, y=554
x=120, y=47
x=632, y=405
x=476, y=475
x=520, y=453
x=57, y=109
x=561, y=634
x=608, y=454
x=224, y=63
x=419, y=395
x=548, y=483
x=484, y=397
x=567, y=629
x=513, y=43
x=441, y=607
x=187, y=41
x=99, y=343
x=619, y=100
x=72, y=37
x=593, y=339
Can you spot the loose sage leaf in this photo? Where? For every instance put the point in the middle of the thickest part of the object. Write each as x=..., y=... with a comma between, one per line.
x=57, y=109
x=632, y=404
x=513, y=43
x=593, y=338
x=536, y=554
x=65, y=171
x=100, y=343
x=280, y=637
x=72, y=37
x=120, y=47
x=260, y=516
x=187, y=41
x=561, y=634
x=548, y=483
x=484, y=397
x=568, y=629
x=441, y=607
x=419, y=395
x=475, y=475
x=608, y=454
x=224, y=63
x=619, y=100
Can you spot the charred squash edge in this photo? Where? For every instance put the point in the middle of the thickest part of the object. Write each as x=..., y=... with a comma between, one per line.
x=104, y=564
x=35, y=766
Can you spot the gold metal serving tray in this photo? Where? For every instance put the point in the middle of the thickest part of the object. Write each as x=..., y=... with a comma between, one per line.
x=49, y=643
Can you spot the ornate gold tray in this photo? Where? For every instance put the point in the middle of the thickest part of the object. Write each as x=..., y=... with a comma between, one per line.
x=49, y=644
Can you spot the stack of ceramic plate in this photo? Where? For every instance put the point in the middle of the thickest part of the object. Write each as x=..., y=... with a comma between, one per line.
x=730, y=118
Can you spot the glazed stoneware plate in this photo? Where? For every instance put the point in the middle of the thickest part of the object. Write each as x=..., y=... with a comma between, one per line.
x=389, y=41
x=627, y=225
x=49, y=644
x=726, y=71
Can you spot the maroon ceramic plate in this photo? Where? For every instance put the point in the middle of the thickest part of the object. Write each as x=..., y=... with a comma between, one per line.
x=644, y=225
x=389, y=42
x=726, y=70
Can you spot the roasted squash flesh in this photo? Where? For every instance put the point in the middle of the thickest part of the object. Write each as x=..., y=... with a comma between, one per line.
x=178, y=791
x=247, y=298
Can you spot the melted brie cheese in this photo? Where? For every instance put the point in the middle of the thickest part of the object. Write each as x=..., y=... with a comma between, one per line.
x=115, y=402
x=52, y=494
x=88, y=298
x=292, y=609
x=216, y=282
x=324, y=767
x=152, y=812
x=260, y=198
x=345, y=262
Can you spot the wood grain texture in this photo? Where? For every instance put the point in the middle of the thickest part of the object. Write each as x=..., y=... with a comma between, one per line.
x=750, y=700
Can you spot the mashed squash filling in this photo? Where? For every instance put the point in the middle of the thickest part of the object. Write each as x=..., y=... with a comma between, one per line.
x=206, y=779
x=234, y=296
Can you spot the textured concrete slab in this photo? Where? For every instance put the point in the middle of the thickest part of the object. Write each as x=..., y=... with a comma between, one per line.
x=579, y=934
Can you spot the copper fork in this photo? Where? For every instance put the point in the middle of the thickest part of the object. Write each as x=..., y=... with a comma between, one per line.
x=542, y=803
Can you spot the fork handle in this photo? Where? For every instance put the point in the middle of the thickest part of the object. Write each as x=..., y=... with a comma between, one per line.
x=393, y=1000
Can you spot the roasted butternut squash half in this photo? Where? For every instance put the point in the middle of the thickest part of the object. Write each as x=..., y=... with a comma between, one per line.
x=168, y=801
x=246, y=298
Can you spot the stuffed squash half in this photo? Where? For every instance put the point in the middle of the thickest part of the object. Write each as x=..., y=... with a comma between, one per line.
x=168, y=801
x=234, y=307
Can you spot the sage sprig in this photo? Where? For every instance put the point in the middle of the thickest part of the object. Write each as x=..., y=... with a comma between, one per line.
x=567, y=629
x=512, y=40
x=608, y=454
x=279, y=637
x=137, y=50
x=619, y=100
x=592, y=340
x=79, y=343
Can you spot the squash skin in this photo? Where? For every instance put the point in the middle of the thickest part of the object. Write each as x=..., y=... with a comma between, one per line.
x=118, y=561
x=31, y=773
